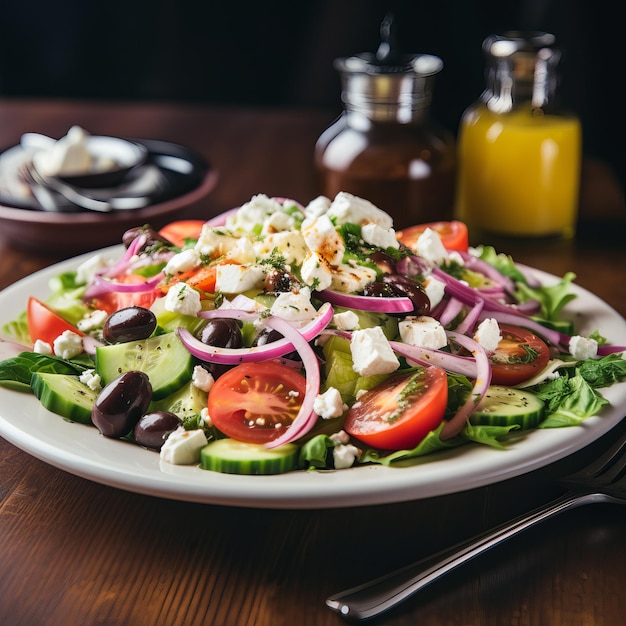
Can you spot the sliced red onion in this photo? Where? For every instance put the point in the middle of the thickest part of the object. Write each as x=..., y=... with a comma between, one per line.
x=101, y=285
x=477, y=264
x=306, y=417
x=451, y=309
x=481, y=383
x=468, y=323
x=234, y=356
x=367, y=303
x=90, y=344
x=513, y=319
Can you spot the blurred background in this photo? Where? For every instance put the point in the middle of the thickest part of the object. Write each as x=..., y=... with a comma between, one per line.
x=280, y=54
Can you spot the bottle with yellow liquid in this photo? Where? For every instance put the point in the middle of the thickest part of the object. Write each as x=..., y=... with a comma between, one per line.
x=519, y=153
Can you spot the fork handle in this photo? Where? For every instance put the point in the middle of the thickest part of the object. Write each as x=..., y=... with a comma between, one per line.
x=374, y=597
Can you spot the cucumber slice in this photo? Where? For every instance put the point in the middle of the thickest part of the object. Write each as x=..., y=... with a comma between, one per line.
x=163, y=358
x=187, y=401
x=230, y=456
x=503, y=406
x=64, y=395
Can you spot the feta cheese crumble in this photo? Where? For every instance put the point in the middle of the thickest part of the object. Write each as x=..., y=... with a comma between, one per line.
x=68, y=345
x=183, y=299
x=583, y=348
x=182, y=447
x=371, y=352
x=423, y=331
x=488, y=334
x=329, y=404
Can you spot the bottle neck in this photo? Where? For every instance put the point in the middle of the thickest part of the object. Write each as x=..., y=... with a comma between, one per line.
x=524, y=78
x=394, y=99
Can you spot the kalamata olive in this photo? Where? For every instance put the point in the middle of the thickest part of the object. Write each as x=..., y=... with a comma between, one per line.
x=406, y=287
x=221, y=333
x=153, y=428
x=129, y=324
x=152, y=237
x=386, y=263
x=281, y=281
x=121, y=403
x=269, y=335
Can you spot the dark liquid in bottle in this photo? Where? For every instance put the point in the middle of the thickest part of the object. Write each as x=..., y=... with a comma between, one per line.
x=405, y=170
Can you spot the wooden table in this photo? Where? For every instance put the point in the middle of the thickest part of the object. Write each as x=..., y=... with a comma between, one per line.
x=73, y=552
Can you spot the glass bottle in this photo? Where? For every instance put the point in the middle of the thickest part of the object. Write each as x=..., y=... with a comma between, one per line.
x=385, y=147
x=519, y=151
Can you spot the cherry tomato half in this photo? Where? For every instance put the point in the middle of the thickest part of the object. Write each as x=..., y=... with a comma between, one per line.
x=256, y=402
x=519, y=356
x=401, y=411
x=177, y=232
x=454, y=234
x=44, y=324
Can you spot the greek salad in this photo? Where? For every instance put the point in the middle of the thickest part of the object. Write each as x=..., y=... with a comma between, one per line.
x=280, y=337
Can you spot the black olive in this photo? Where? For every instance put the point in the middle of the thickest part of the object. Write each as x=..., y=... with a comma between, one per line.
x=129, y=324
x=410, y=289
x=281, y=281
x=121, y=403
x=221, y=333
x=153, y=428
x=385, y=263
x=152, y=237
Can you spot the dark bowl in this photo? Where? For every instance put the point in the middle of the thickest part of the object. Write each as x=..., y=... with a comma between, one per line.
x=126, y=155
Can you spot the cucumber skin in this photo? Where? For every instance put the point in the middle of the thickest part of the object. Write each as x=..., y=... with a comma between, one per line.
x=505, y=406
x=64, y=395
x=229, y=456
x=172, y=372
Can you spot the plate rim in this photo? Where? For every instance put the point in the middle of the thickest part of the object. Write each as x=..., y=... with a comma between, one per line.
x=143, y=473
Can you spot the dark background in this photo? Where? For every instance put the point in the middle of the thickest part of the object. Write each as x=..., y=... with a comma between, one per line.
x=281, y=53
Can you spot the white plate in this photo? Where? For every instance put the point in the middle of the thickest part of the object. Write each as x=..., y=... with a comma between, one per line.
x=82, y=451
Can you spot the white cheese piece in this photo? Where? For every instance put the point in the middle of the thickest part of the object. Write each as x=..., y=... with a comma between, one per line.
x=346, y=320
x=91, y=379
x=488, y=334
x=289, y=244
x=371, y=352
x=183, y=299
x=435, y=290
x=376, y=235
x=348, y=208
x=344, y=456
x=582, y=348
x=430, y=247
x=423, y=331
x=202, y=379
x=317, y=206
x=88, y=269
x=294, y=307
x=42, y=347
x=243, y=252
x=214, y=242
x=277, y=222
x=352, y=278
x=68, y=345
x=322, y=238
x=340, y=437
x=232, y=278
x=182, y=447
x=67, y=156
x=315, y=272
x=92, y=320
x=329, y=404
x=253, y=214
x=184, y=261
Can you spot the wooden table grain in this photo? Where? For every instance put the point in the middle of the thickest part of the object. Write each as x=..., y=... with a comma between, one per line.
x=73, y=552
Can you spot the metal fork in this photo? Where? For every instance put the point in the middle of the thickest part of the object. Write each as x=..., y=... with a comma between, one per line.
x=603, y=480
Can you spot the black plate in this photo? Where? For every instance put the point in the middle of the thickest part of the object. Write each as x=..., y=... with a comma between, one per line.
x=182, y=171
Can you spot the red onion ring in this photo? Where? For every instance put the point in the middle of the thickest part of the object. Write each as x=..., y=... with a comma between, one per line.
x=306, y=417
x=481, y=383
x=234, y=356
x=367, y=303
